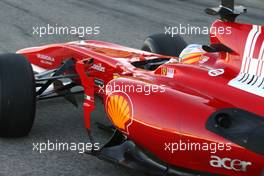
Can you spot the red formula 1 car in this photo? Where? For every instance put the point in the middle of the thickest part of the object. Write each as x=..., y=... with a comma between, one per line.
x=176, y=109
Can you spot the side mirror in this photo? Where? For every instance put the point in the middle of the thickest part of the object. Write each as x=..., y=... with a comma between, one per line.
x=216, y=48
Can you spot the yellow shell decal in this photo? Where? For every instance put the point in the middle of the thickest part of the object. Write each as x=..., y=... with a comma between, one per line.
x=119, y=110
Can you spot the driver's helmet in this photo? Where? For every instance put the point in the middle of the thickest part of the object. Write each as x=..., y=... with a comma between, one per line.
x=192, y=53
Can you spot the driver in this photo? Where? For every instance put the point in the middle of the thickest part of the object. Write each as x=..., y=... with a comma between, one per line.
x=191, y=54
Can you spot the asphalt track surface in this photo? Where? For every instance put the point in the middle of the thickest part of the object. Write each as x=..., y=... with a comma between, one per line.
x=125, y=22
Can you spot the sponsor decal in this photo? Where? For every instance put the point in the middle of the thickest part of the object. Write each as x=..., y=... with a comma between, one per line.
x=98, y=67
x=99, y=82
x=168, y=72
x=120, y=110
x=216, y=72
x=163, y=70
x=204, y=59
x=229, y=164
x=251, y=76
x=45, y=59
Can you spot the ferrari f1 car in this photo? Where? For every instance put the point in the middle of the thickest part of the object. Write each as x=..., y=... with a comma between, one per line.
x=198, y=97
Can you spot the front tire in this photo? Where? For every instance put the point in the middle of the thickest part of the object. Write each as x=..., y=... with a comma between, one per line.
x=17, y=96
x=164, y=44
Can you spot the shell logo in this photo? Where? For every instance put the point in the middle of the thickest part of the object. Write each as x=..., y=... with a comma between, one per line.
x=119, y=110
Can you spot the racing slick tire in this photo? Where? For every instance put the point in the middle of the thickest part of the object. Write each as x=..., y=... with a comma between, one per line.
x=164, y=44
x=17, y=96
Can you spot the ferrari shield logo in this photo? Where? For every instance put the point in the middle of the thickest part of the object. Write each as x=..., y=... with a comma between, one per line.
x=164, y=71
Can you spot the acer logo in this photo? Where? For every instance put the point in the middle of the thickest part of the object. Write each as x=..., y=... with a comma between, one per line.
x=230, y=164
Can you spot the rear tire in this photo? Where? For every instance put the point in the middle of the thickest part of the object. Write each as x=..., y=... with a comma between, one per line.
x=17, y=96
x=164, y=44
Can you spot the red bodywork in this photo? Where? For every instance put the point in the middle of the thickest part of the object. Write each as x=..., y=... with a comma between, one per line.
x=180, y=112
